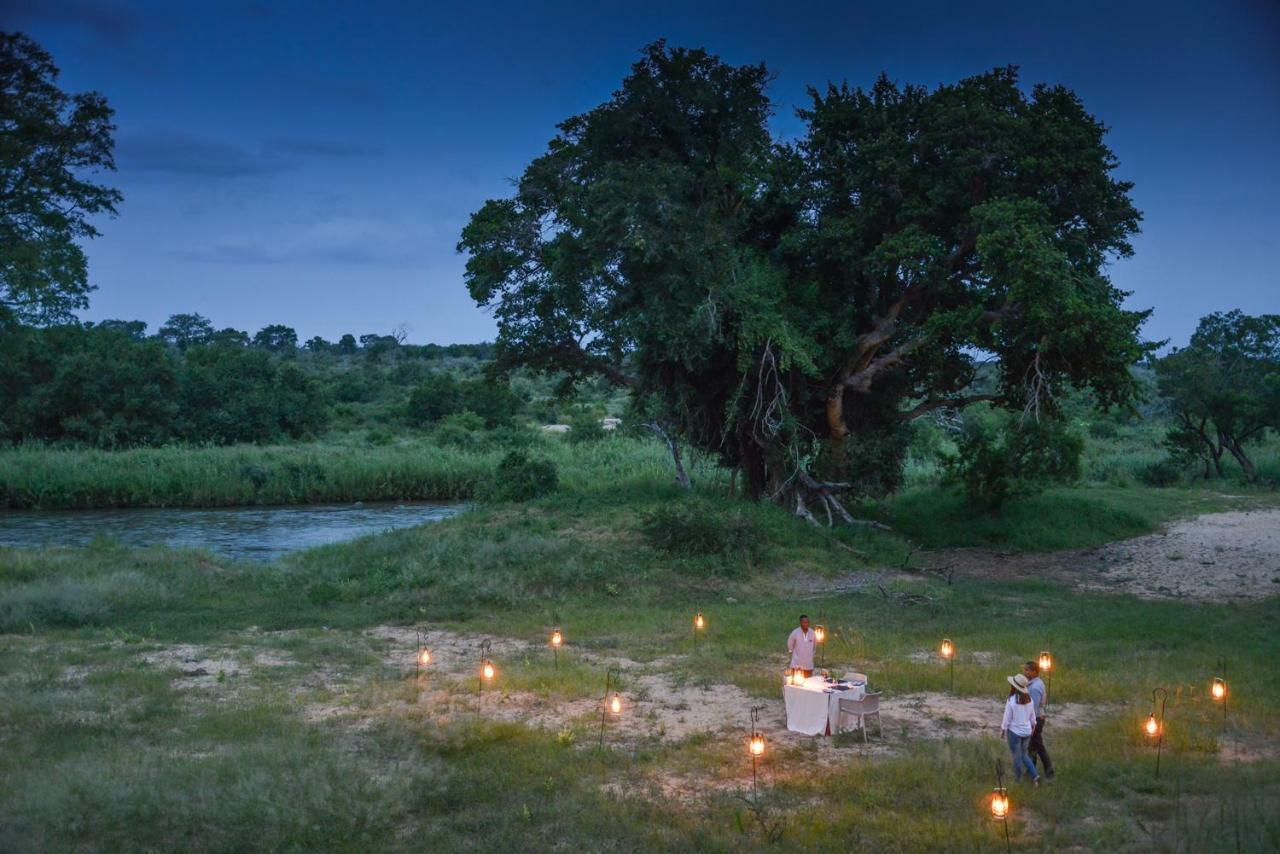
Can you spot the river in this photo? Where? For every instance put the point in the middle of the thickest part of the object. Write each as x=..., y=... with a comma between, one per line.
x=240, y=533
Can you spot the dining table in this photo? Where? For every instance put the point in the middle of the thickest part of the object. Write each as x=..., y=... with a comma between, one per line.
x=813, y=708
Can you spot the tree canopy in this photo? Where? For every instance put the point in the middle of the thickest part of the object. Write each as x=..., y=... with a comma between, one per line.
x=1224, y=387
x=51, y=143
x=789, y=307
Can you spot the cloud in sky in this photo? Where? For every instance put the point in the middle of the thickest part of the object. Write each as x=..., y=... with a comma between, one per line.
x=352, y=240
x=112, y=22
x=178, y=153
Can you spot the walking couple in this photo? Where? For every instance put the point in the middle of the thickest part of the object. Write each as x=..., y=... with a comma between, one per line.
x=1023, y=723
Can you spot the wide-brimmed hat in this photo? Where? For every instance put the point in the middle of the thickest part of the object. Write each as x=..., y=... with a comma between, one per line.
x=1019, y=683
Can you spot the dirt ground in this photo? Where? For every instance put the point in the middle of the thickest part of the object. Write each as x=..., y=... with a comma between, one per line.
x=1217, y=557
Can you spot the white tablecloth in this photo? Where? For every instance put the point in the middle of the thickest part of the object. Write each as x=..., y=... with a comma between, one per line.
x=811, y=710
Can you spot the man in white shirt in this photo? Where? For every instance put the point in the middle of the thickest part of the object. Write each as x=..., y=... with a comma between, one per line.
x=801, y=645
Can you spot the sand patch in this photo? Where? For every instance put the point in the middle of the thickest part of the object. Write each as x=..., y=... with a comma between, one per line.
x=1216, y=557
x=208, y=666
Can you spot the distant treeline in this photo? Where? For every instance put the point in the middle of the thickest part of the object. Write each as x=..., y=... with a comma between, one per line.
x=112, y=385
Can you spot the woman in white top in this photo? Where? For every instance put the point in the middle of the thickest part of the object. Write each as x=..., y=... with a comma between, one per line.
x=1018, y=724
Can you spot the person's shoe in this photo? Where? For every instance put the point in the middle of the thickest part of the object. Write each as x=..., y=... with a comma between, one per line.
x=1036, y=782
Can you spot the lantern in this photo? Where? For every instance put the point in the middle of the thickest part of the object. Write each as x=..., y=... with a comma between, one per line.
x=1000, y=803
x=948, y=650
x=1152, y=726
x=698, y=621
x=819, y=633
x=424, y=657
x=1046, y=660
x=615, y=705
x=557, y=639
x=757, y=744
x=1219, y=689
x=487, y=670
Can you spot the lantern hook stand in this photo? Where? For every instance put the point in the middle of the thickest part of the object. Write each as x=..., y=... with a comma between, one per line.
x=1048, y=672
x=755, y=733
x=417, y=667
x=1003, y=792
x=486, y=648
x=610, y=678
x=1164, y=695
x=1222, y=669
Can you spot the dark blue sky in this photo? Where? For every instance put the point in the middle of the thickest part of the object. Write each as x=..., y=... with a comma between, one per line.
x=313, y=163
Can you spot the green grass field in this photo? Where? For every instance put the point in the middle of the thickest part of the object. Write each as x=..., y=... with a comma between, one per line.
x=108, y=743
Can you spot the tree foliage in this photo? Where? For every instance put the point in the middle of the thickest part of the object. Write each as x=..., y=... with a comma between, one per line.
x=51, y=144
x=783, y=306
x=1223, y=388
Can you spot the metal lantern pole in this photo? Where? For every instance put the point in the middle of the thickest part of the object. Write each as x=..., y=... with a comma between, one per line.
x=485, y=650
x=1046, y=667
x=755, y=746
x=609, y=676
x=1164, y=696
x=1220, y=686
x=1003, y=793
x=949, y=653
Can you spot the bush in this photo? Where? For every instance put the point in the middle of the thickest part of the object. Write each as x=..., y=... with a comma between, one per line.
x=585, y=427
x=521, y=478
x=460, y=430
x=1162, y=473
x=997, y=462
x=694, y=529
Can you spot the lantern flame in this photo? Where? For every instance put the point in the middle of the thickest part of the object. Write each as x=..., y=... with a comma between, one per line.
x=948, y=649
x=487, y=670
x=999, y=804
x=1219, y=689
x=424, y=657
x=1151, y=727
x=615, y=705
x=698, y=622
x=556, y=638
x=1046, y=661
x=757, y=744
x=819, y=633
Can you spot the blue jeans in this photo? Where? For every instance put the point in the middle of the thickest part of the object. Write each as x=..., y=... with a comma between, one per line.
x=1018, y=747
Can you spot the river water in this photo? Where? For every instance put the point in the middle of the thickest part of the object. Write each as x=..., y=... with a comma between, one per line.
x=241, y=533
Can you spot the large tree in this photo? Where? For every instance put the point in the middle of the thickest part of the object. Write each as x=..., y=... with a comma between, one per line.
x=789, y=308
x=1224, y=388
x=51, y=144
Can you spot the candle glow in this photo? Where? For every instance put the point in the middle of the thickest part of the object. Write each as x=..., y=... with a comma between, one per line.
x=999, y=804
x=557, y=638
x=424, y=657
x=487, y=670
x=757, y=744
x=1046, y=660
x=1219, y=689
x=698, y=622
x=1151, y=727
x=615, y=705
x=948, y=649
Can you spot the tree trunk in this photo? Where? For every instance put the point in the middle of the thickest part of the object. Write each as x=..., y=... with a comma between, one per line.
x=1237, y=451
x=682, y=477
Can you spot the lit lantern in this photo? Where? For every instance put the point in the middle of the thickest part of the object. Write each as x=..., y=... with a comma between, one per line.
x=757, y=744
x=948, y=649
x=1152, y=726
x=1219, y=689
x=1046, y=660
x=615, y=705
x=819, y=633
x=797, y=677
x=557, y=639
x=1000, y=803
x=424, y=657
x=487, y=670
x=698, y=621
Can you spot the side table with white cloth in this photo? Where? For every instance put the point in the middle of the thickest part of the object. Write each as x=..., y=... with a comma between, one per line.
x=814, y=707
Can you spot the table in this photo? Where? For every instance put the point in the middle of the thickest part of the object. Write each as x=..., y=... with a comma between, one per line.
x=813, y=711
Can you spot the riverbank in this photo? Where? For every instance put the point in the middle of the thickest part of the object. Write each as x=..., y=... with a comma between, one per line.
x=277, y=706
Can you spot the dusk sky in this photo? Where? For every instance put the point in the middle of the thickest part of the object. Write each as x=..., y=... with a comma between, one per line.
x=313, y=163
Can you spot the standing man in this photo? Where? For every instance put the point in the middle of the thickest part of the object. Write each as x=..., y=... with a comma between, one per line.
x=801, y=645
x=1036, y=749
